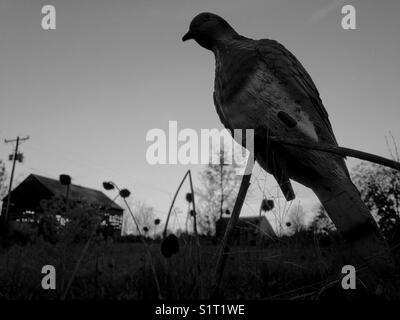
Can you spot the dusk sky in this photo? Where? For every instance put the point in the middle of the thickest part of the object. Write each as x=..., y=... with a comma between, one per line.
x=88, y=92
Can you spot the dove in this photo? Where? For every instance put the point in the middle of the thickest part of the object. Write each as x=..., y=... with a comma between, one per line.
x=260, y=85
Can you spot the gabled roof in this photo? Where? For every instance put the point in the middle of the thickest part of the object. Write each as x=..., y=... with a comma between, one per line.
x=75, y=192
x=250, y=222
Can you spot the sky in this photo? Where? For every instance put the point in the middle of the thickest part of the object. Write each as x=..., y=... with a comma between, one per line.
x=88, y=92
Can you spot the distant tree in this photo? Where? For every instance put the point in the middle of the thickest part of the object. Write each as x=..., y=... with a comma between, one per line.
x=145, y=217
x=296, y=219
x=3, y=192
x=3, y=183
x=321, y=222
x=380, y=190
x=49, y=227
x=217, y=195
x=74, y=225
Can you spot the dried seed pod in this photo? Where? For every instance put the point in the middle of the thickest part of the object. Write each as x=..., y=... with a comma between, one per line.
x=124, y=193
x=189, y=197
x=108, y=185
x=267, y=205
x=65, y=179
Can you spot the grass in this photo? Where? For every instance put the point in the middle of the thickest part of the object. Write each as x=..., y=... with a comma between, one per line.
x=302, y=266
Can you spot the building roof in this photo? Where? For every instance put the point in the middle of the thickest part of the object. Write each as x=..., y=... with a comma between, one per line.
x=254, y=223
x=76, y=192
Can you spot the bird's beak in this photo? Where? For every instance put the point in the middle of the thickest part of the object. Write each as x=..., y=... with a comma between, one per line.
x=187, y=36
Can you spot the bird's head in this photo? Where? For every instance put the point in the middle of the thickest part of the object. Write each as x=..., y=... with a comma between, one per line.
x=207, y=29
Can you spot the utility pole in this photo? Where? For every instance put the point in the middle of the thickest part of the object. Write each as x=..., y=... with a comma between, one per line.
x=14, y=157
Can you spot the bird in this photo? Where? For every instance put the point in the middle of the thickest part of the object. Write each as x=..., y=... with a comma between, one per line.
x=261, y=85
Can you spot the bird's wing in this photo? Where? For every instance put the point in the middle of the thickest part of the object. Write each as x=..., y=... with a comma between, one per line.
x=221, y=115
x=294, y=77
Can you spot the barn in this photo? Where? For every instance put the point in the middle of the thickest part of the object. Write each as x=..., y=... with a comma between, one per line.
x=248, y=231
x=26, y=198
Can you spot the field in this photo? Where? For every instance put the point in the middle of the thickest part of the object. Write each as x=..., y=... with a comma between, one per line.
x=303, y=266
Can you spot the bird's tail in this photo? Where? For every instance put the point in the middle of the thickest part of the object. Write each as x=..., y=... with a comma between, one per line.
x=344, y=205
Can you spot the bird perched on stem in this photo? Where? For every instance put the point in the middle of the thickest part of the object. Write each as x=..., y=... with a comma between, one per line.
x=260, y=85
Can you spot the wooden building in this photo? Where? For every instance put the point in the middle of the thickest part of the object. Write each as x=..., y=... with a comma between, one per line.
x=26, y=198
x=248, y=231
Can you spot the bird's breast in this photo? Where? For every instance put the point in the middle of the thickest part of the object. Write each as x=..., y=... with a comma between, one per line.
x=262, y=101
